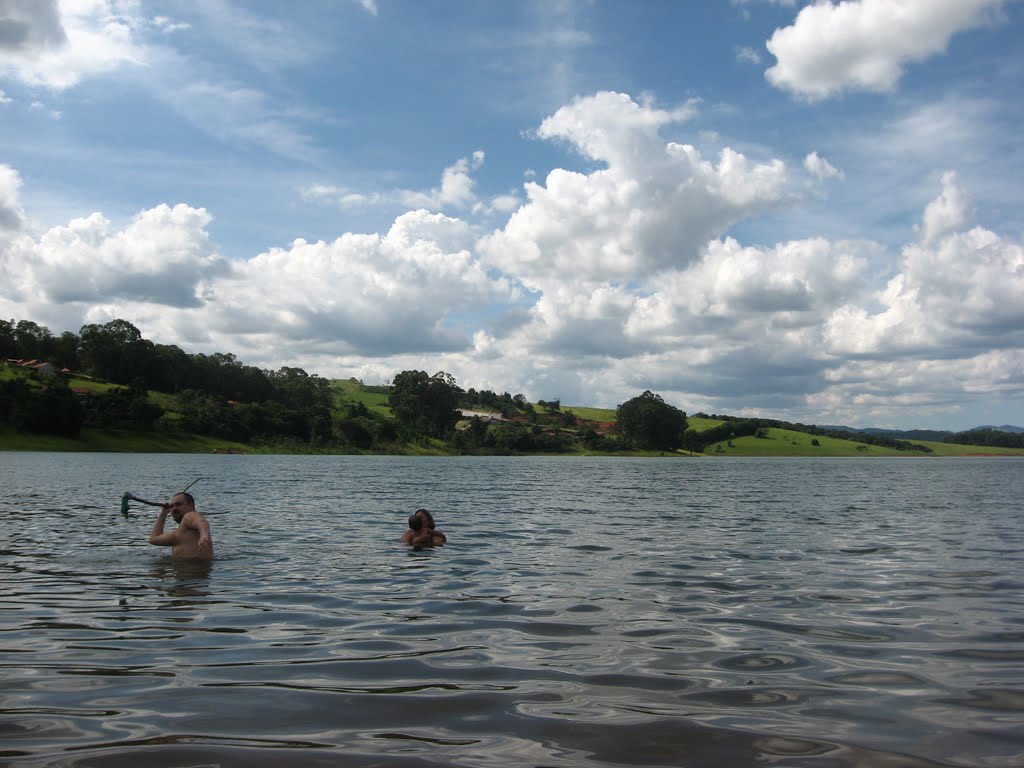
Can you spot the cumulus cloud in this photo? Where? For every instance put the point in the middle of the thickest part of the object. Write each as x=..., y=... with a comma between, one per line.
x=653, y=206
x=377, y=296
x=865, y=44
x=956, y=292
x=368, y=294
x=56, y=46
x=163, y=257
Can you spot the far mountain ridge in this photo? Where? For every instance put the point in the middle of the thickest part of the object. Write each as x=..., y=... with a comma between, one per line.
x=919, y=434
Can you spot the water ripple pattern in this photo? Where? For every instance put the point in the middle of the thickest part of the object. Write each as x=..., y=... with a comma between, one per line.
x=585, y=612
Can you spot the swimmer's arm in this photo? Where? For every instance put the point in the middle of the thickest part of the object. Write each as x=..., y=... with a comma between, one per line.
x=157, y=535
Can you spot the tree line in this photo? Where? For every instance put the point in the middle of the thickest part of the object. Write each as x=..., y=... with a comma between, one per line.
x=989, y=437
x=218, y=396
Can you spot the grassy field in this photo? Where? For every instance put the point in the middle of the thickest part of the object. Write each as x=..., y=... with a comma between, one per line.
x=347, y=389
x=119, y=441
x=582, y=412
x=953, y=449
x=785, y=442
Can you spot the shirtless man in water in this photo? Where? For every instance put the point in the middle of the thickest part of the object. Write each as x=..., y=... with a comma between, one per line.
x=422, y=531
x=191, y=539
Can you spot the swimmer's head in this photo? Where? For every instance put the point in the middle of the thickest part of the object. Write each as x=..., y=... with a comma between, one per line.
x=181, y=504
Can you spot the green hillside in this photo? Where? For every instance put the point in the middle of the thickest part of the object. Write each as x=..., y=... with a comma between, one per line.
x=348, y=390
x=349, y=393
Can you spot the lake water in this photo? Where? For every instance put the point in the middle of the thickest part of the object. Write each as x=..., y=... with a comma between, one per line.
x=585, y=612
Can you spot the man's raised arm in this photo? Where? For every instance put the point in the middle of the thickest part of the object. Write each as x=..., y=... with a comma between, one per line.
x=157, y=535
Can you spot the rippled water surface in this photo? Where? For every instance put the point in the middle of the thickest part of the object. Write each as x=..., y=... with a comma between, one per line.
x=585, y=612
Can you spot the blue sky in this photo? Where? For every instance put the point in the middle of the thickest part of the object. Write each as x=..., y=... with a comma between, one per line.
x=807, y=211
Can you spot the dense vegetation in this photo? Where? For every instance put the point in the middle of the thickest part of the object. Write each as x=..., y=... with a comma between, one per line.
x=108, y=383
x=989, y=437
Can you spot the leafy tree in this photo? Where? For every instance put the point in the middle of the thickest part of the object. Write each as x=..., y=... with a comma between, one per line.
x=65, y=351
x=8, y=346
x=171, y=369
x=32, y=340
x=649, y=423
x=115, y=351
x=425, y=405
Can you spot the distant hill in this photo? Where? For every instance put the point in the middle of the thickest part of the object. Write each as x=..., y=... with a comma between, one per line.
x=917, y=434
x=934, y=435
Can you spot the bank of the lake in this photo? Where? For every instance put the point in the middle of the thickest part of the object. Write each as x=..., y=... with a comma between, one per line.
x=778, y=443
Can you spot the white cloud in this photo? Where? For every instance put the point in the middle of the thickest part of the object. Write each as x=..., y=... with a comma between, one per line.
x=956, y=293
x=456, y=192
x=865, y=44
x=162, y=257
x=654, y=206
x=12, y=216
x=880, y=392
x=57, y=45
x=360, y=294
x=821, y=168
x=168, y=26
x=947, y=213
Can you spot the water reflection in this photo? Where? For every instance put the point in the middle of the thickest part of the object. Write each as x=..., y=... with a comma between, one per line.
x=183, y=578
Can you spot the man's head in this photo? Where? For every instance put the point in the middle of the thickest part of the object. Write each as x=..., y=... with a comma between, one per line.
x=416, y=522
x=181, y=505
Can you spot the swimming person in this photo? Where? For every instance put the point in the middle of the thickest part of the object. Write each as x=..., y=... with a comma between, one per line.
x=422, y=531
x=191, y=539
